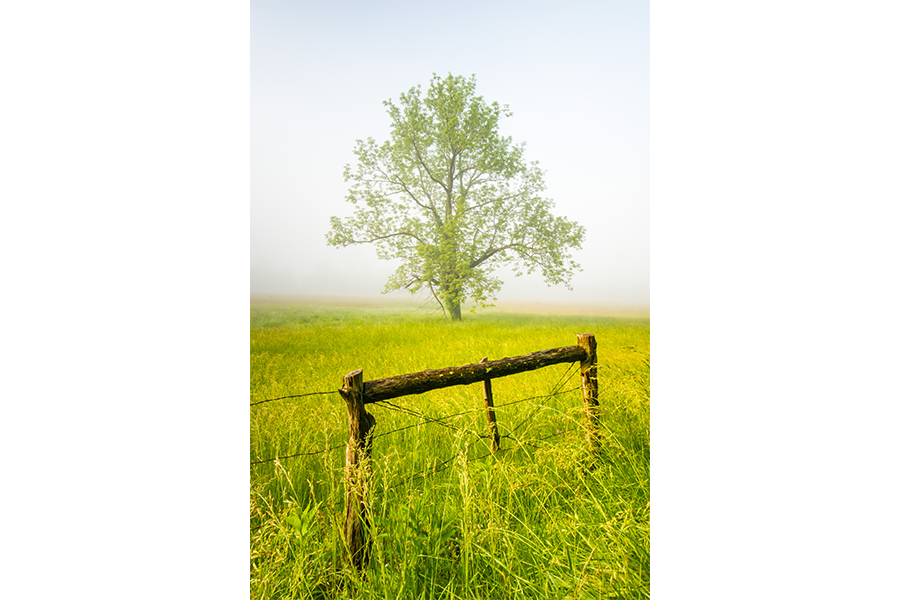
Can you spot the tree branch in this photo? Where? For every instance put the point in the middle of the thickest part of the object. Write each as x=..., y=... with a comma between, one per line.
x=492, y=252
x=389, y=235
x=436, y=299
x=422, y=162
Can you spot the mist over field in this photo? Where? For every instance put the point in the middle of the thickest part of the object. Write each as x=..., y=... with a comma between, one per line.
x=575, y=76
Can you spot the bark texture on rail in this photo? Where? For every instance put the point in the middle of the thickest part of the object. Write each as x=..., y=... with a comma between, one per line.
x=434, y=379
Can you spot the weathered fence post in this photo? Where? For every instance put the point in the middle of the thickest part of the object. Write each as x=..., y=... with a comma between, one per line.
x=357, y=468
x=489, y=412
x=589, y=387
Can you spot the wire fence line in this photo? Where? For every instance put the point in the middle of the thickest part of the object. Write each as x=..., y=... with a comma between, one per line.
x=274, y=458
x=442, y=421
x=295, y=396
x=358, y=468
x=327, y=392
x=554, y=392
x=446, y=463
x=438, y=421
x=562, y=381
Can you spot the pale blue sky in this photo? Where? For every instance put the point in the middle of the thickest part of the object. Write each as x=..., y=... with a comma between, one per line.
x=575, y=75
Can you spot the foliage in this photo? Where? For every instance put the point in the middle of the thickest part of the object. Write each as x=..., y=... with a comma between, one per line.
x=453, y=200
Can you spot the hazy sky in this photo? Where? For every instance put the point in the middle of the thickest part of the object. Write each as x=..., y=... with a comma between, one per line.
x=574, y=74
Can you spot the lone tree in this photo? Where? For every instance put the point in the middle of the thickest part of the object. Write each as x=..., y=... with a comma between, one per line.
x=454, y=200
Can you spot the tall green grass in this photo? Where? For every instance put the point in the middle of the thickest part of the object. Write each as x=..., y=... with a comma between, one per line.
x=542, y=519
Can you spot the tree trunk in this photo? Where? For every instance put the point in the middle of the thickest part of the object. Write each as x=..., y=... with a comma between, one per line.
x=452, y=279
x=455, y=310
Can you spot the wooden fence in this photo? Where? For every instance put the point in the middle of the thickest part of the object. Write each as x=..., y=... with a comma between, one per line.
x=357, y=393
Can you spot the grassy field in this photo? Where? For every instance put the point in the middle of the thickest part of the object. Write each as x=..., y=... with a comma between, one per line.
x=544, y=518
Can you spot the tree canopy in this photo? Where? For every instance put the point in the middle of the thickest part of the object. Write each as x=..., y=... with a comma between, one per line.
x=453, y=200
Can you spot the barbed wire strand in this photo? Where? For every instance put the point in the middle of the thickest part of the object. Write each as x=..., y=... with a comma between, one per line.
x=443, y=465
x=439, y=421
x=471, y=410
x=364, y=395
x=560, y=393
x=554, y=392
x=265, y=460
x=546, y=437
x=376, y=435
x=414, y=413
x=295, y=396
x=411, y=412
x=562, y=381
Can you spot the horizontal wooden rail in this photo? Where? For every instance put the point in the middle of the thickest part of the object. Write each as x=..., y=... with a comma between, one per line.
x=434, y=379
